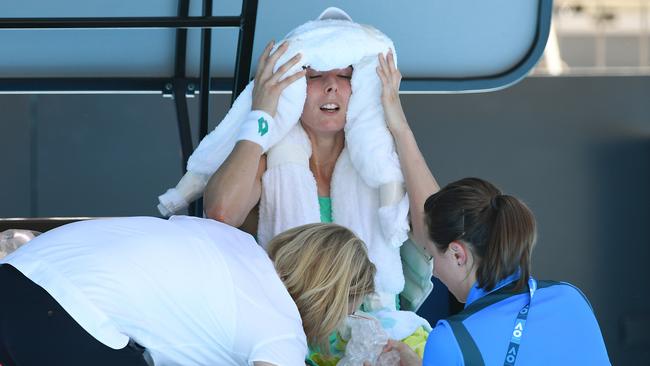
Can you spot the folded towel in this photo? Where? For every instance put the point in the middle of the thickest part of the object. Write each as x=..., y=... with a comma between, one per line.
x=418, y=267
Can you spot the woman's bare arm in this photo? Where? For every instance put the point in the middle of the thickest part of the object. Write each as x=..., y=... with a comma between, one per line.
x=420, y=183
x=235, y=188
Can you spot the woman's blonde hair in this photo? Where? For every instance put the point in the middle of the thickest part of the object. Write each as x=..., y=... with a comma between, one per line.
x=324, y=267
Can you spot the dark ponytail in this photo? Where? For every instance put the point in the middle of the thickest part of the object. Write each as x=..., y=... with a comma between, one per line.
x=499, y=229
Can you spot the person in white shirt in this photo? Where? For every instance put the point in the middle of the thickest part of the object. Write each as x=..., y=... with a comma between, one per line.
x=183, y=291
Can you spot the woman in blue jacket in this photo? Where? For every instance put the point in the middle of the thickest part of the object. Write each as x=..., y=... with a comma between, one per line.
x=481, y=242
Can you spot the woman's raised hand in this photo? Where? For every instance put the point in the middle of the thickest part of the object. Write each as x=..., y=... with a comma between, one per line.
x=390, y=80
x=268, y=85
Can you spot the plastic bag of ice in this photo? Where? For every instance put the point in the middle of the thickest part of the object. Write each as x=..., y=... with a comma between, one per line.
x=367, y=341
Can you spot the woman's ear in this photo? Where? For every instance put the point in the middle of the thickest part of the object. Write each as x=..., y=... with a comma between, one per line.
x=460, y=252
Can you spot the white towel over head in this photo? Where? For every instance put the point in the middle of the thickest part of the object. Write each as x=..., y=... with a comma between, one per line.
x=367, y=166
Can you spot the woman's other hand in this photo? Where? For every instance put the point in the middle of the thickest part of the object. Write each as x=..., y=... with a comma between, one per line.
x=390, y=80
x=268, y=85
x=407, y=357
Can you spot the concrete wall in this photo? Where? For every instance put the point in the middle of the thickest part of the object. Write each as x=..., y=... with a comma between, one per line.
x=577, y=150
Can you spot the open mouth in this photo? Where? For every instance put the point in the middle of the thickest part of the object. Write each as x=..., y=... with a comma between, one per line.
x=330, y=107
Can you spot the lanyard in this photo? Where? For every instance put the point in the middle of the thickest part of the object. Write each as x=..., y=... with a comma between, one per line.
x=520, y=322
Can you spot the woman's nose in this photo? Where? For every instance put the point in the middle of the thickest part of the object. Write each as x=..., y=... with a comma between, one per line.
x=331, y=84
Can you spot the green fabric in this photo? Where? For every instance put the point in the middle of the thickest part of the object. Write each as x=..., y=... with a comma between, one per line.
x=325, y=204
x=417, y=341
x=337, y=351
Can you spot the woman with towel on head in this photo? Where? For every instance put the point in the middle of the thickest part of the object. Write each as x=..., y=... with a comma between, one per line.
x=307, y=142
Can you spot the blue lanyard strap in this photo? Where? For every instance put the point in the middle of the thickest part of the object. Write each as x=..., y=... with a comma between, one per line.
x=520, y=323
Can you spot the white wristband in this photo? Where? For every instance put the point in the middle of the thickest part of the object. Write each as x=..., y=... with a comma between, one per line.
x=257, y=127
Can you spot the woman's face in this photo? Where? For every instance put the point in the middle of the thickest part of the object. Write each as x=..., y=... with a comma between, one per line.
x=328, y=94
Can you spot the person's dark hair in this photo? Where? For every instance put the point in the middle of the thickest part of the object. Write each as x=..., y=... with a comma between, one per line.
x=499, y=229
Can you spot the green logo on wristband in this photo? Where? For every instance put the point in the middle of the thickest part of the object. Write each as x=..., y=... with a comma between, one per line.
x=262, y=126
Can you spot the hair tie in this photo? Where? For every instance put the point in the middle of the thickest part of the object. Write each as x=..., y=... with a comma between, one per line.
x=494, y=203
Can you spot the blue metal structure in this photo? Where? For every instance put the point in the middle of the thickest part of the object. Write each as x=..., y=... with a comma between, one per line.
x=444, y=47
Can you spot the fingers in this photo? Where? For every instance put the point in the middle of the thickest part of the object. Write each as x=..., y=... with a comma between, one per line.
x=387, y=77
x=267, y=62
x=391, y=61
x=385, y=68
x=272, y=59
x=381, y=69
x=384, y=82
x=400, y=347
x=382, y=77
x=261, y=62
x=290, y=79
x=384, y=61
x=285, y=67
x=388, y=72
x=393, y=67
x=388, y=63
x=389, y=345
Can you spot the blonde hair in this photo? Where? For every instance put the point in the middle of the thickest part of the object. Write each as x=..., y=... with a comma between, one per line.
x=324, y=267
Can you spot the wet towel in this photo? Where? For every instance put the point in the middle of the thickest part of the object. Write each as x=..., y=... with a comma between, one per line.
x=367, y=169
x=370, y=161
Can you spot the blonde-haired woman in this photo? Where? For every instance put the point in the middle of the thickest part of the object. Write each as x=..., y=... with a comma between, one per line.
x=304, y=258
x=124, y=292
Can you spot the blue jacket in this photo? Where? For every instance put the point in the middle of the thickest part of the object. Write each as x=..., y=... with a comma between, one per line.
x=561, y=328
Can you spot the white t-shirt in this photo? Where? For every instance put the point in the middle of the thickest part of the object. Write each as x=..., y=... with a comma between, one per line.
x=191, y=291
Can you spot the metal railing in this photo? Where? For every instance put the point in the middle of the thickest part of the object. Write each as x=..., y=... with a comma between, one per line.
x=177, y=86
